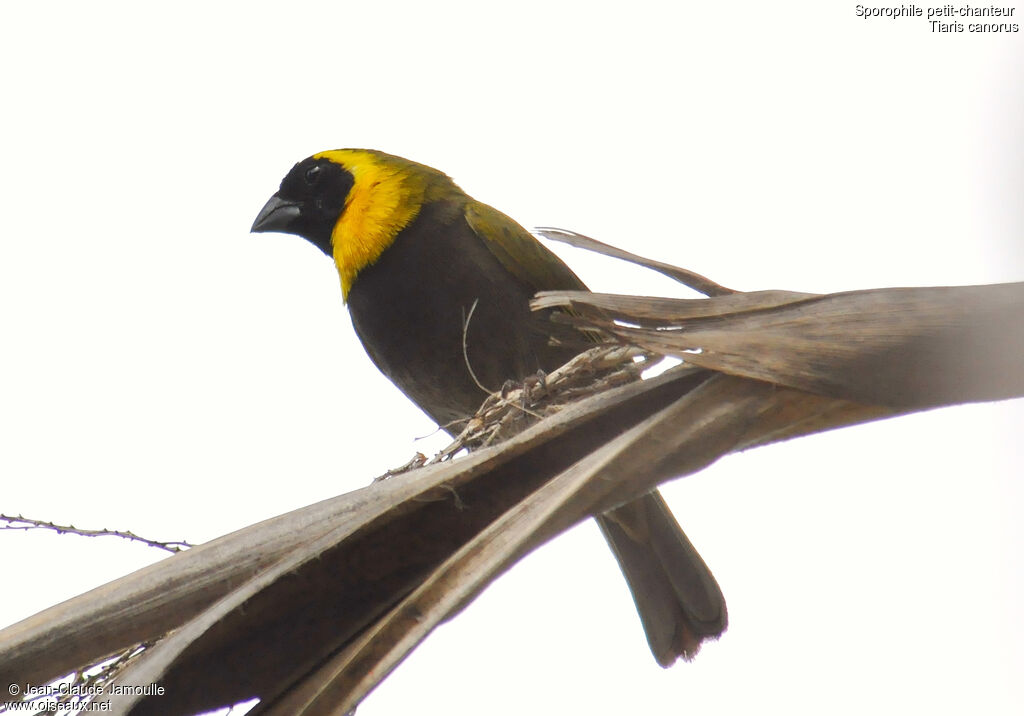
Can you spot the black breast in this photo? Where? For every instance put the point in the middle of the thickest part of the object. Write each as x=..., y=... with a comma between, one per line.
x=409, y=309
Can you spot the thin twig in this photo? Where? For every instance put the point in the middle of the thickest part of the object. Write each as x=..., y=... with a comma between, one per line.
x=465, y=350
x=27, y=523
x=506, y=415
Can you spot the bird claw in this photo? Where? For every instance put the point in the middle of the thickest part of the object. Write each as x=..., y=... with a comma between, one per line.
x=528, y=387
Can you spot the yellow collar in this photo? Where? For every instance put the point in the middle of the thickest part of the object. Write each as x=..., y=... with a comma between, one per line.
x=385, y=197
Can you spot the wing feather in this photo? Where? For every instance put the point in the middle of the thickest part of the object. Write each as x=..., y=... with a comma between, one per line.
x=518, y=251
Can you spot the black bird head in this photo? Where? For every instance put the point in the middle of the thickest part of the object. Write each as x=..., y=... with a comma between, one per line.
x=309, y=202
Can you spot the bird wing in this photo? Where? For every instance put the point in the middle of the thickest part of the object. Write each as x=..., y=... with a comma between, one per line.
x=518, y=251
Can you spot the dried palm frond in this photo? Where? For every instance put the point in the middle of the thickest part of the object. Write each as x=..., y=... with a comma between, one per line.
x=310, y=610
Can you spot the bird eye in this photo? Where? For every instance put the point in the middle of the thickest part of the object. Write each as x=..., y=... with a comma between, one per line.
x=312, y=175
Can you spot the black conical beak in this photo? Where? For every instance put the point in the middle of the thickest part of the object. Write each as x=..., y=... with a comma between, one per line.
x=277, y=215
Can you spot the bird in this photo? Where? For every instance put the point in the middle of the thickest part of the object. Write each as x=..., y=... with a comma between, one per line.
x=438, y=287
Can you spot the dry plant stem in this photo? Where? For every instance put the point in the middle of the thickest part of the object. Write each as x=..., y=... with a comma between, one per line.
x=688, y=278
x=257, y=613
x=504, y=415
x=27, y=523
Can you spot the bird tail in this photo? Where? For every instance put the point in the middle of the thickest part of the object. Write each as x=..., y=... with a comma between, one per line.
x=679, y=602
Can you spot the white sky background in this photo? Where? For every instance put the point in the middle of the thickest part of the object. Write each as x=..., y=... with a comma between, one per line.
x=165, y=371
